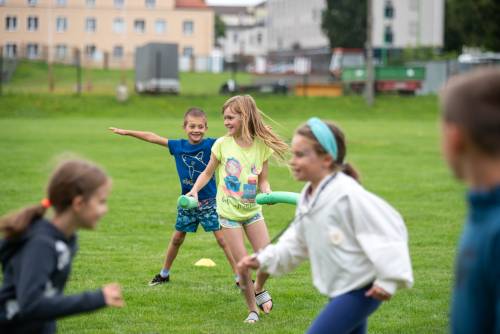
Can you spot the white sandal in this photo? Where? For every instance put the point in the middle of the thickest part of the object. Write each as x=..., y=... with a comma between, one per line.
x=252, y=317
x=263, y=297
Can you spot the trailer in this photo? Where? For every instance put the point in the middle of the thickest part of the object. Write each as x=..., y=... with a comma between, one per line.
x=400, y=79
x=157, y=68
x=349, y=67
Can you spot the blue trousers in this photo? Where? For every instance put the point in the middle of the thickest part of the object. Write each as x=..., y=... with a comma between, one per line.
x=346, y=314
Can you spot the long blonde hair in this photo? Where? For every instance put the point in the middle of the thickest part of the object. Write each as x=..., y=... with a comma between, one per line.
x=253, y=126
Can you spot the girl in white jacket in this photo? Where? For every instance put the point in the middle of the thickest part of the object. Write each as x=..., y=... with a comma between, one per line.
x=357, y=243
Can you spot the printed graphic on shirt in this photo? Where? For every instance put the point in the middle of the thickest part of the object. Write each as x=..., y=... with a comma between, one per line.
x=63, y=254
x=194, y=163
x=233, y=186
x=231, y=181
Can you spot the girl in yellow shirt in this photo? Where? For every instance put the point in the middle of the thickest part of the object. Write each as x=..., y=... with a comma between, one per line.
x=241, y=159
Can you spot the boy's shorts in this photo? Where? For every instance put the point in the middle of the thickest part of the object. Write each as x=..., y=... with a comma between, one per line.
x=205, y=214
x=228, y=223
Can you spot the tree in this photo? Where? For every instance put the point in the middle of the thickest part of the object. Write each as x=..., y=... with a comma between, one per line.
x=472, y=23
x=220, y=28
x=344, y=23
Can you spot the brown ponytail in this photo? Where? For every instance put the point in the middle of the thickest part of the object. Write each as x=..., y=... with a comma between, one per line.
x=15, y=223
x=72, y=178
x=338, y=164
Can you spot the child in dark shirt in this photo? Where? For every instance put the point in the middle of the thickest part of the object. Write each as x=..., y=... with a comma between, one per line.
x=36, y=253
x=191, y=157
x=471, y=146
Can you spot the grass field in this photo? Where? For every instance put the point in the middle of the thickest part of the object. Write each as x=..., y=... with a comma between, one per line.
x=394, y=146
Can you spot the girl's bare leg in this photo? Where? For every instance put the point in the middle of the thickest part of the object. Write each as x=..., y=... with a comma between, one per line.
x=259, y=238
x=235, y=241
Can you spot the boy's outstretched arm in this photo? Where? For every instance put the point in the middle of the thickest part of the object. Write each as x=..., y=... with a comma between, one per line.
x=143, y=135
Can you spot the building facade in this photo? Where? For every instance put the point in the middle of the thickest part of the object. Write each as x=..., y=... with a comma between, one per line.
x=246, y=32
x=104, y=30
x=408, y=23
x=295, y=24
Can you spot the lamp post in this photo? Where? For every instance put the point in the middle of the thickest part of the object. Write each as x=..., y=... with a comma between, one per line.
x=369, y=94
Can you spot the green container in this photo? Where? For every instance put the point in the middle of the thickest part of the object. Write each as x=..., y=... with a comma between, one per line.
x=386, y=73
x=187, y=202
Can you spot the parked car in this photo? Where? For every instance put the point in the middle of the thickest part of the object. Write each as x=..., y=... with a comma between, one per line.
x=231, y=87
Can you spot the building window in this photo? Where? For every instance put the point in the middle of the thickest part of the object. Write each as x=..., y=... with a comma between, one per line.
x=61, y=51
x=32, y=2
x=61, y=3
x=118, y=25
x=187, y=51
x=32, y=50
x=160, y=26
x=187, y=27
x=2, y=2
x=139, y=26
x=150, y=3
x=90, y=24
x=235, y=37
x=259, y=38
x=90, y=50
x=10, y=50
x=413, y=28
x=10, y=23
x=118, y=52
x=388, y=10
x=32, y=23
x=388, y=35
x=90, y=3
x=119, y=3
x=61, y=24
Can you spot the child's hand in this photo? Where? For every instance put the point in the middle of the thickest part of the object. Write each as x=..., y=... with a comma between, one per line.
x=248, y=262
x=193, y=194
x=118, y=131
x=113, y=295
x=378, y=293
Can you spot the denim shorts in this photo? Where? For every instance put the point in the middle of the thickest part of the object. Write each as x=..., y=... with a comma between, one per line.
x=228, y=223
x=205, y=214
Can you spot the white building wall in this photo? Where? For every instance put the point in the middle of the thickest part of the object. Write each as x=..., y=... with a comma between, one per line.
x=293, y=22
x=414, y=23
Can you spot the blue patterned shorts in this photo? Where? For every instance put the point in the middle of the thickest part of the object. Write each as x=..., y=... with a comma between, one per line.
x=205, y=214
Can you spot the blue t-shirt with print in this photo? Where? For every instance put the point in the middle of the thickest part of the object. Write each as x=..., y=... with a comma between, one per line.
x=190, y=161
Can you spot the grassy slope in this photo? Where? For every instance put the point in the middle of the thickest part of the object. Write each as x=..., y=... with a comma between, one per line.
x=395, y=146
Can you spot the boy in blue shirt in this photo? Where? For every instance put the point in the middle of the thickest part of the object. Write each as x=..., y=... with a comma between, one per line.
x=191, y=157
x=471, y=146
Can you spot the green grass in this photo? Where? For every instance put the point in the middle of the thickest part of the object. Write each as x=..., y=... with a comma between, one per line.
x=394, y=146
x=33, y=77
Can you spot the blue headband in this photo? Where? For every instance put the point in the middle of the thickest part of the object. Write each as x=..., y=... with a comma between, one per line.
x=324, y=136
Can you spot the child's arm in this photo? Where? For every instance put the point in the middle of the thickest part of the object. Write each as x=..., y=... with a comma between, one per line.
x=37, y=263
x=264, y=185
x=281, y=258
x=143, y=135
x=205, y=176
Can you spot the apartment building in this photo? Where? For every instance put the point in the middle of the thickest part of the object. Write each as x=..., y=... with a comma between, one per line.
x=408, y=23
x=246, y=31
x=295, y=24
x=103, y=29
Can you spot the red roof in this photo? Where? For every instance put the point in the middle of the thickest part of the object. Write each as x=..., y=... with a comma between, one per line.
x=190, y=4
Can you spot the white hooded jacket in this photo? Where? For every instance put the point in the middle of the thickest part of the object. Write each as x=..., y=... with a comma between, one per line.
x=351, y=236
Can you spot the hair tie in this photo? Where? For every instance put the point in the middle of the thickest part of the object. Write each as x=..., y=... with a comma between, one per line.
x=324, y=136
x=46, y=203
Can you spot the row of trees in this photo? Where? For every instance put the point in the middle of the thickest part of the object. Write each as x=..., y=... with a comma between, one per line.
x=467, y=22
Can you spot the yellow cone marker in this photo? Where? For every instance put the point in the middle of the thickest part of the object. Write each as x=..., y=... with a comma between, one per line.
x=205, y=263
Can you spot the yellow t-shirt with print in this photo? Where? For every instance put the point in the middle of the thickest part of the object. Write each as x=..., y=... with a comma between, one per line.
x=238, y=174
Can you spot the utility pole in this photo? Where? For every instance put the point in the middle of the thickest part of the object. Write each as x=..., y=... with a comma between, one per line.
x=369, y=94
